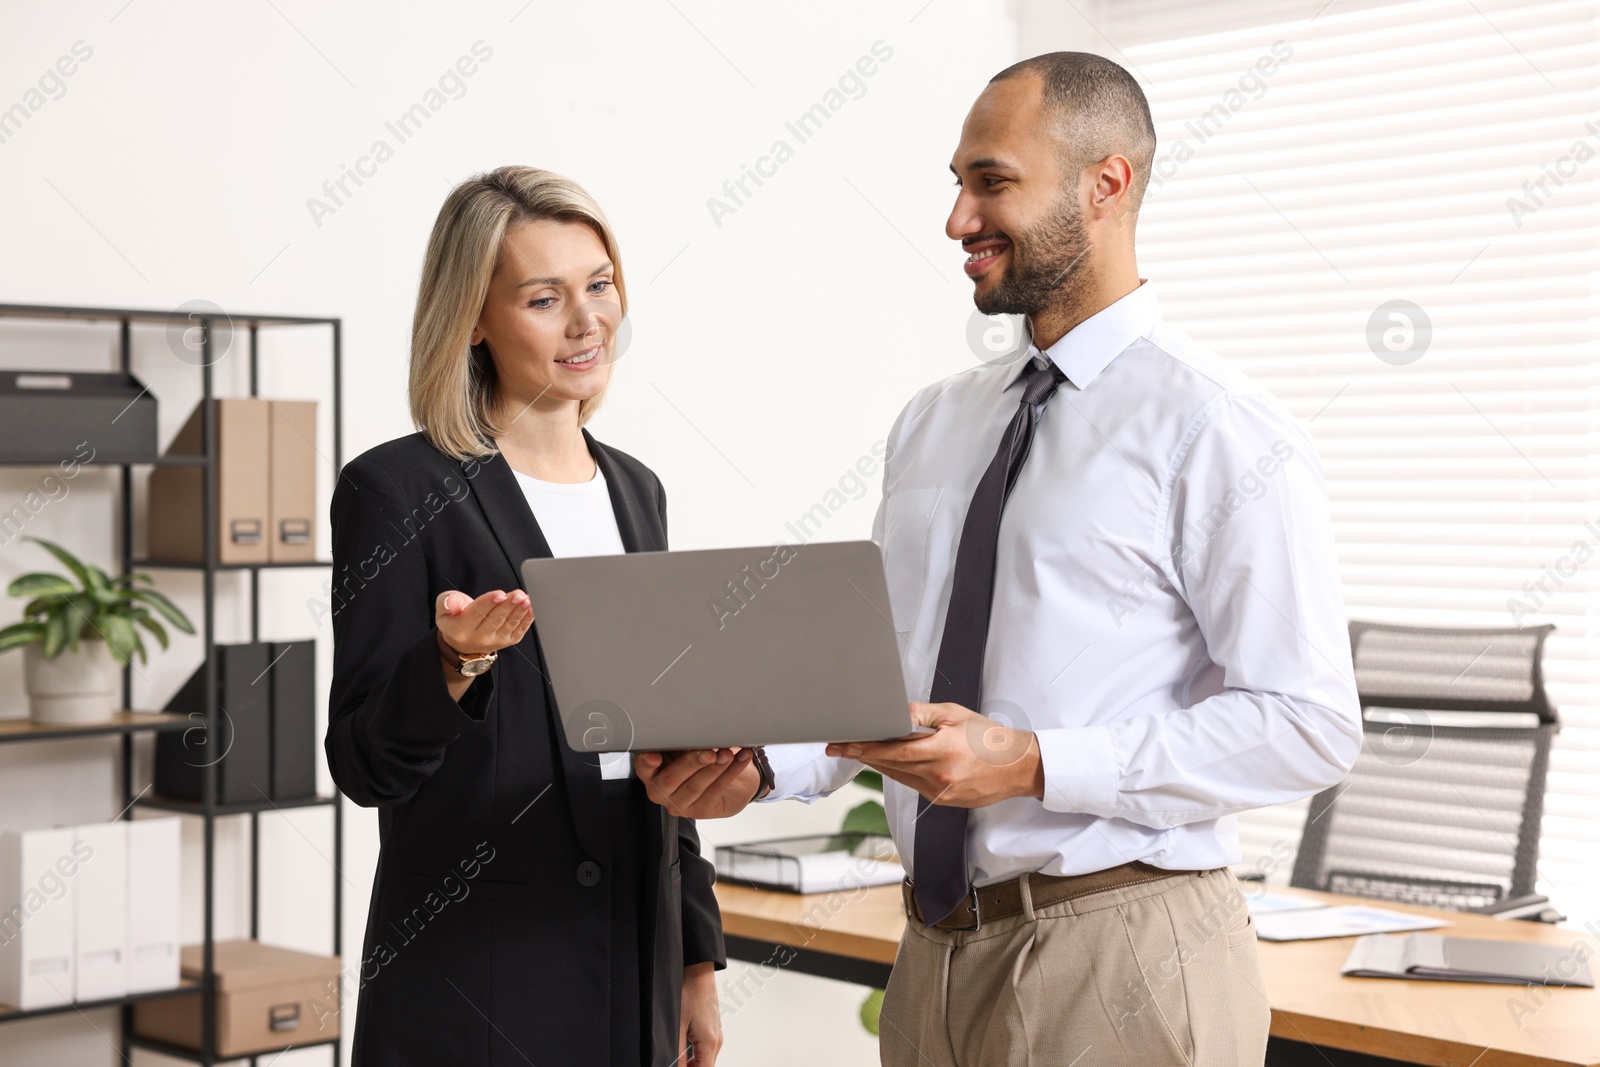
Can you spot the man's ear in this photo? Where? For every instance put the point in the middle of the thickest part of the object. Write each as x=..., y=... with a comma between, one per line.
x=1110, y=183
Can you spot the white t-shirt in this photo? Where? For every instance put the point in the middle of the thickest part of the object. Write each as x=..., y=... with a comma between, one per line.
x=576, y=517
x=577, y=520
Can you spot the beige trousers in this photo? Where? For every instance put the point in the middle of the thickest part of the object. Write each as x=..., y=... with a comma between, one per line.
x=1160, y=973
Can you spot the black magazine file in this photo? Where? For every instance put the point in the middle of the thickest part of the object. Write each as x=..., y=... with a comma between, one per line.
x=266, y=745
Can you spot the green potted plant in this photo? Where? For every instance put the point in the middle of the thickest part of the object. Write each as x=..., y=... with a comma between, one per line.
x=76, y=633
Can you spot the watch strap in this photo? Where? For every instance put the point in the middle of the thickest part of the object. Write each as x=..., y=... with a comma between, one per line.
x=758, y=756
x=453, y=658
x=450, y=655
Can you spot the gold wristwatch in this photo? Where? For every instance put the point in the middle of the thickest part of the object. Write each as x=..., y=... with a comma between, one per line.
x=467, y=666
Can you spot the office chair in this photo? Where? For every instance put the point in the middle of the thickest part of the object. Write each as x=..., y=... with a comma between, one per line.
x=1440, y=811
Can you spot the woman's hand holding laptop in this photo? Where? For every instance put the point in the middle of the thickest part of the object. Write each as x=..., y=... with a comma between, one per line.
x=705, y=783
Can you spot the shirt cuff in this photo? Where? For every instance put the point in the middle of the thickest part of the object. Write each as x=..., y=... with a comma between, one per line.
x=793, y=772
x=1080, y=769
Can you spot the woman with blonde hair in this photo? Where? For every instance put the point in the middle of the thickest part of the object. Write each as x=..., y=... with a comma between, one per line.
x=530, y=905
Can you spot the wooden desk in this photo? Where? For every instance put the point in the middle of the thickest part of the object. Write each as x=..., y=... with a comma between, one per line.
x=853, y=937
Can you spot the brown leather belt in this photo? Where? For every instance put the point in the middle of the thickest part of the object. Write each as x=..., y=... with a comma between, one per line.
x=1004, y=899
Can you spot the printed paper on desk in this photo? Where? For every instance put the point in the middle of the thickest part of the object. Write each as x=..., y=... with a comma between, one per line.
x=1268, y=903
x=1347, y=920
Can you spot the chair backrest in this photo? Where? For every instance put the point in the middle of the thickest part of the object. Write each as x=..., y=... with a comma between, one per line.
x=1438, y=810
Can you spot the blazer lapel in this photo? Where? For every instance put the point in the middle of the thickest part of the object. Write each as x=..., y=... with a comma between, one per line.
x=495, y=486
x=515, y=527
x=638, y=521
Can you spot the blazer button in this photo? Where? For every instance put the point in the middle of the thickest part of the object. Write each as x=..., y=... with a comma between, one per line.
x=588, y=873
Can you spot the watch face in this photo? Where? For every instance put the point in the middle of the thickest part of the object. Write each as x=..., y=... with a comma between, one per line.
x=474, y=667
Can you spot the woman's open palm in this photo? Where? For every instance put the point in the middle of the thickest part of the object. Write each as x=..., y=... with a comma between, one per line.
x=493, y=621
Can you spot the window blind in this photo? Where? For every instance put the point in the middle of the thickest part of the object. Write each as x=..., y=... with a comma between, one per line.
x=1386, y=213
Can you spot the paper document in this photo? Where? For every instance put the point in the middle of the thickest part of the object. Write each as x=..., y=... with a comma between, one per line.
x=1268, y=902
x=1347, y=920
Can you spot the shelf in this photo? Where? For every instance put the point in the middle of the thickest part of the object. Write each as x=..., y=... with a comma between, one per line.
x=10, y=1014
x=178, y=1052
x=187, y=565
x=129, y=724
x=109, y=459
x=195, y=807
x=42, y=311
x=124, y=722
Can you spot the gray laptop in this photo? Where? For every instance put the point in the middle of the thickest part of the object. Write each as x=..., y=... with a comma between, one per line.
x=654, y=651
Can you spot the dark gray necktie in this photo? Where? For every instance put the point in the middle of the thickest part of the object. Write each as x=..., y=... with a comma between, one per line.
x=940, y=861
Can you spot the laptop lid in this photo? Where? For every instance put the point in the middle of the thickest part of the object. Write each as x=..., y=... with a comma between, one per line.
x=740, y=646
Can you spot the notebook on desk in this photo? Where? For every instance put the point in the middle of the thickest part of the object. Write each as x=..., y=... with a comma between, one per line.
x=1462, y=959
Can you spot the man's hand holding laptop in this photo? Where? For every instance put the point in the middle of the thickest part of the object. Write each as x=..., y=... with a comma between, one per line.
x=967, y=761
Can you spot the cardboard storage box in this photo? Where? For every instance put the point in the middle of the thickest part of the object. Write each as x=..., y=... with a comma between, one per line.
x=267, y=998
x=241, y=507
x=292, y=503
x=266, y=485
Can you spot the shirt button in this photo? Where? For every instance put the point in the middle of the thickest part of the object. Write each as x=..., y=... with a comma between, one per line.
x=588, y=873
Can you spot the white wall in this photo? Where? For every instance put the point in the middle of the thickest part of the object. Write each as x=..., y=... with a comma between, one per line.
x=770, y=351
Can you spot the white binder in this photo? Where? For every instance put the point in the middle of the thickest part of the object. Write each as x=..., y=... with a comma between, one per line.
x=38, y=875
x=153, y=867
x=100, y=894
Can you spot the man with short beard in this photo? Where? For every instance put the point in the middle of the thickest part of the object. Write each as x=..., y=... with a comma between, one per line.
x=1111, y=566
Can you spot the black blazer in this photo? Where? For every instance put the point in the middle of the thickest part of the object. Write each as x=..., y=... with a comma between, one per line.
x=488, y=937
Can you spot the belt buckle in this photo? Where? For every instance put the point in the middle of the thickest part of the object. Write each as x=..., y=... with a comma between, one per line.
x=972, y=901
x=914, y=911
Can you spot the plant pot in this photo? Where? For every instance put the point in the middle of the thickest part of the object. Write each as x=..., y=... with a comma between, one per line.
x=74, y=688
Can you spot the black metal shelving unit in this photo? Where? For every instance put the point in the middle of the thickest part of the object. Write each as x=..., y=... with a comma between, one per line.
x=130, y=724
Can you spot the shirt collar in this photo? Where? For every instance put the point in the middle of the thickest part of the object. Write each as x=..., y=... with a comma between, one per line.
x=1089, y=347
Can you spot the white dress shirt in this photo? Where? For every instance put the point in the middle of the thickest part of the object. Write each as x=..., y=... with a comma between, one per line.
x=1167, y=615
x=577, y=520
